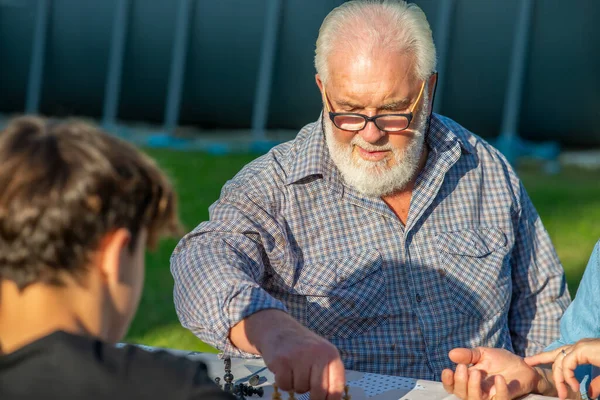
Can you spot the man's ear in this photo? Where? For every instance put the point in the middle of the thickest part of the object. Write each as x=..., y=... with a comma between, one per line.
x=431, y=87
x=319, y=82
x=110, y=254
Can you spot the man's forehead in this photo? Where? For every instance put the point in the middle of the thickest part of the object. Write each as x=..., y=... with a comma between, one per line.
x=348, y=62
x=370, y=72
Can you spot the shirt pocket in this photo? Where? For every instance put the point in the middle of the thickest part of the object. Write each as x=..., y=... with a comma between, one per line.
x=345, y=297
x=474, y=271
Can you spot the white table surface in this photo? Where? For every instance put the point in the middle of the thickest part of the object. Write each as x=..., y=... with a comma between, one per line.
x=362, y=386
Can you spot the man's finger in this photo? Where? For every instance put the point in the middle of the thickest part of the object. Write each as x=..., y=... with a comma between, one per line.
x=546, y=357
x=319, y=382
x=594, y=390
x=465, y=356
x=461, y=379
x=337, y=380
x=474, y=385
x=448, y=380
x=284, y=377
x=501, y=389
x=487, y=384
x=493, y=389
x=302, y=379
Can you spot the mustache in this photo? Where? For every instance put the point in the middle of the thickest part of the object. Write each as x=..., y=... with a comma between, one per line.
x=357, y=140
x=363, y=144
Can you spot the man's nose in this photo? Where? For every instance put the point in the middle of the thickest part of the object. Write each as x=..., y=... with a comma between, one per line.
x=371, y=133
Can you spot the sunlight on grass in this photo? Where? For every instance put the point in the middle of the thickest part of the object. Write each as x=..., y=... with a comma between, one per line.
x=172, y=336
x=198, y=179
x=568, y=203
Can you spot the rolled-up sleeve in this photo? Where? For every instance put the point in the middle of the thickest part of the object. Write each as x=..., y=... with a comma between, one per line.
x=540, y=294
x=218, y=268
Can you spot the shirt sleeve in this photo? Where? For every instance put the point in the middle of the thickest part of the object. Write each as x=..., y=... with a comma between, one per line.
x=219, y=266
x=581, y=320
x=540, y=294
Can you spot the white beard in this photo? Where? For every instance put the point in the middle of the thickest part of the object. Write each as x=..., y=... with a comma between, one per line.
x=376, y=178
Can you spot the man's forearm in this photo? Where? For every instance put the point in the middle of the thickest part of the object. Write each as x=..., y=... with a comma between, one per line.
x=263, y=326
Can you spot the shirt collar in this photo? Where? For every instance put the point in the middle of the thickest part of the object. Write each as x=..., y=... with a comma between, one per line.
x=312, y=155
x=442, y=135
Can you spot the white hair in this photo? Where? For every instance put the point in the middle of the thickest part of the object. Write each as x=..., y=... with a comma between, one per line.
x=390, y=25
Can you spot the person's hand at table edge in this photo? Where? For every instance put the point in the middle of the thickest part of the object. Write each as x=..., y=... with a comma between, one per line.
x=301, y=360
x=478, y=369
x=564, y=361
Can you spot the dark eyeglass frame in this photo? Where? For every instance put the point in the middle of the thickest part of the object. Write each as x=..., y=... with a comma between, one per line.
x=409, y=116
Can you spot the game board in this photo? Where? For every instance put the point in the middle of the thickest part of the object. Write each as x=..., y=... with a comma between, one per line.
x=361, y=386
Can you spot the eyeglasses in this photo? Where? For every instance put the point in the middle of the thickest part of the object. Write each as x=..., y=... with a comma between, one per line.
x=384, y=122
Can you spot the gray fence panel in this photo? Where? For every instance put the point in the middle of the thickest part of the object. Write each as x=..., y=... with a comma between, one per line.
x=562, y=92
x=17, y=20
x=295, y=98
x=147, y=63
x=562, y=83
x=223, y=62
x=76, y=62
x=478, y=63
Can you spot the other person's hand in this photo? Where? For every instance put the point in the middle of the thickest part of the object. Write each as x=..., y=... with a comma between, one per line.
x=564, y=361
x=493, y=373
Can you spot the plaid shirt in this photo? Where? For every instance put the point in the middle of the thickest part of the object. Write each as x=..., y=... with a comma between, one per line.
x=473, y=266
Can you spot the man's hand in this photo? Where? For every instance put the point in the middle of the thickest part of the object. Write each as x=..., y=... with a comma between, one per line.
x=301, y=360
x=494, y=373
x=565, y=359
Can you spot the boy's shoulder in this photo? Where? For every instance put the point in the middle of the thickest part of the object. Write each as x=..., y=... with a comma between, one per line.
x=63, y=365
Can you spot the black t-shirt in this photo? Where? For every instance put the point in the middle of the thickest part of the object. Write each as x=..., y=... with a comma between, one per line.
x=69, y=367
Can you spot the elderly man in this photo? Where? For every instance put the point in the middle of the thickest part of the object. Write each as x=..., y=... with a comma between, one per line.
x=381, y=237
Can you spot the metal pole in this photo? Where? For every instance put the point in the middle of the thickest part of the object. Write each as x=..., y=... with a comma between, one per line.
x=516, y=78
x=177, y=65
x=265, y=71
x=115, y=66
x=36, y=71
x=443, y=42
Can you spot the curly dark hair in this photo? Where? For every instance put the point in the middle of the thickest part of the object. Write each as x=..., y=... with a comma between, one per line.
x=64, y=186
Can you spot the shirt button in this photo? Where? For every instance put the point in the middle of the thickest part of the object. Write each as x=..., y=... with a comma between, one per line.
x=419, y=298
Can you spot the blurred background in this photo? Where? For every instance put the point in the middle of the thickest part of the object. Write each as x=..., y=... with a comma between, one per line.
x=207, y=86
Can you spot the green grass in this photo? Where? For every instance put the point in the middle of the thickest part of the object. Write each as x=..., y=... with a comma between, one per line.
x=569, y=204
x=198, y=179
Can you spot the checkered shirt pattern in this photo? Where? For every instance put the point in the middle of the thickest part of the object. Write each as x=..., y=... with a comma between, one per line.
x=473, y=266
